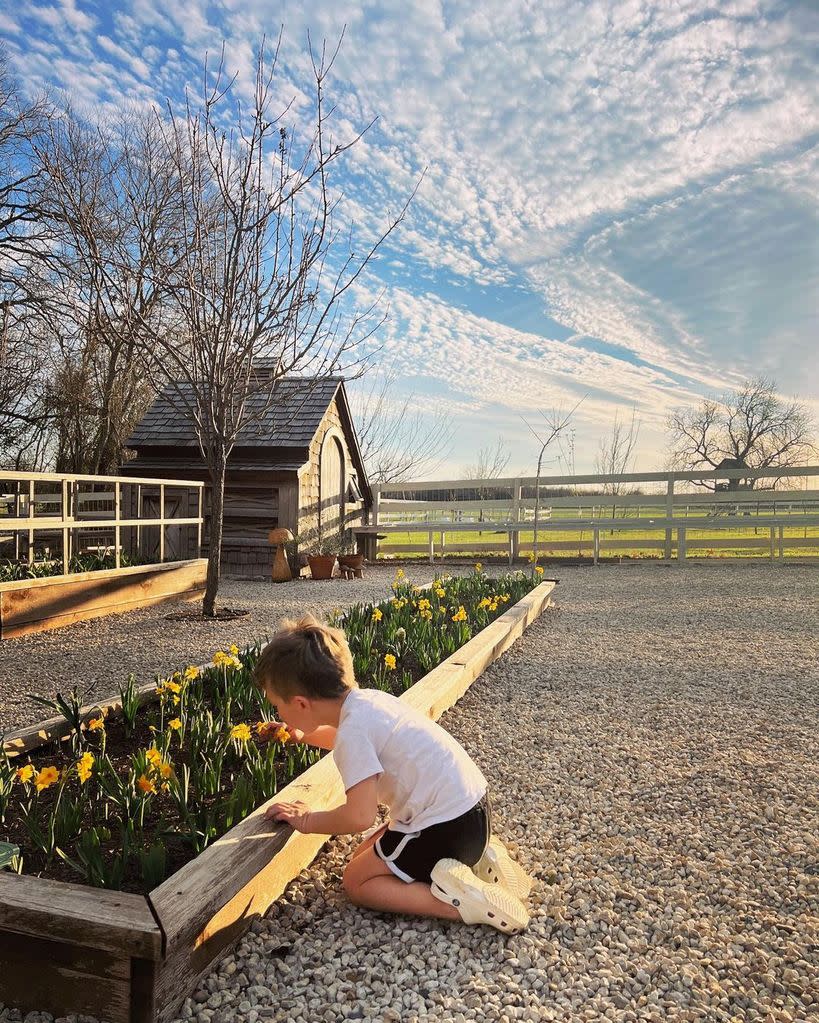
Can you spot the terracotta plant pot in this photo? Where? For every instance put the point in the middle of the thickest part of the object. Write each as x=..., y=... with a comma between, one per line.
x=354, y=561
x=321, y=565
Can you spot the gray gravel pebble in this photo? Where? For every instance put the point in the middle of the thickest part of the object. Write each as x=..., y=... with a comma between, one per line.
x=652, y=747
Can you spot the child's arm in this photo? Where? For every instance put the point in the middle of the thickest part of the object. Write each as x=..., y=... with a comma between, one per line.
x=324, y=736
x=357, y=814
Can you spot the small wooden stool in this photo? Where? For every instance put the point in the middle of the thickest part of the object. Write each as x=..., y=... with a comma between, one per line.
x=351, y=573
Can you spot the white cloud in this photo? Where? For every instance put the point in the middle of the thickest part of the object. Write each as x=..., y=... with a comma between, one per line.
x=578, y=150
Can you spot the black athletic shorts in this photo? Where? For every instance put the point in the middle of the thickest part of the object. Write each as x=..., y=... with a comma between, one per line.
x=411, y=856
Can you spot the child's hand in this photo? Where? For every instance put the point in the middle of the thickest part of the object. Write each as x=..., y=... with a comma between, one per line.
x=297, y=815
x=267, y=730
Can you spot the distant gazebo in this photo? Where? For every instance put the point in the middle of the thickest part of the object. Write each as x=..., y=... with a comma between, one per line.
x=299, y=467
x=733, y=484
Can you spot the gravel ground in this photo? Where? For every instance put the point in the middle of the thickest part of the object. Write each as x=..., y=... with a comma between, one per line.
x=652, y=747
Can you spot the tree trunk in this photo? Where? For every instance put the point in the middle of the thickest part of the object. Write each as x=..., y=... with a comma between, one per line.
x=217, y=507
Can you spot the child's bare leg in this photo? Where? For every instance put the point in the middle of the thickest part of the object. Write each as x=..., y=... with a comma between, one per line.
x=369, y=882
x=368, y=843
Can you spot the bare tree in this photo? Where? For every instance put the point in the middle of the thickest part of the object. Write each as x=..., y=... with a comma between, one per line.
x=399, y=441
x=25, y=244
x=260, y=275
x=566, y=452
x=555, y=424
x=111, y=196
x=751, y=427
x=616, y=451
x=490, y=462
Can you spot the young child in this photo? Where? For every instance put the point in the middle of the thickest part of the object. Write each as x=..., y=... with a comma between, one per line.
x=439, y=827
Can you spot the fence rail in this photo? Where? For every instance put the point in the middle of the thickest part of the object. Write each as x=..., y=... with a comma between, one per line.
x=118, y=511
x=684, y=519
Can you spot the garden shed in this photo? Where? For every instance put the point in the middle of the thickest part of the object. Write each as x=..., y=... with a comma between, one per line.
x=297, y=465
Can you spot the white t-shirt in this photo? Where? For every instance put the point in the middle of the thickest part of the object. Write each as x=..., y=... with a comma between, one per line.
x=425, y=776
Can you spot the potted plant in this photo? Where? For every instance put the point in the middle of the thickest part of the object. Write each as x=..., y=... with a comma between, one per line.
x=321, y=556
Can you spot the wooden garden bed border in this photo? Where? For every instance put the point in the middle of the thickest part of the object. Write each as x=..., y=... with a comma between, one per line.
x=134, y=959
x=52, y=602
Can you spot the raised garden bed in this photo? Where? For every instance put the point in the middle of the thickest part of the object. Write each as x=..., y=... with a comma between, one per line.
x=127, y=956
x=34, y=605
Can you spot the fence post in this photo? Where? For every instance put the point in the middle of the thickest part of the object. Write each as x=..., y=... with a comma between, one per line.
x=431, y=549
x=161, y=523
x=372, y=540
x=596, y=544
x=514, y=546
x=66, y=551
x=31, y=516
x=680, y=543
x=117, y=517
x=200, y=497
x=773, y=533
x=669, y=514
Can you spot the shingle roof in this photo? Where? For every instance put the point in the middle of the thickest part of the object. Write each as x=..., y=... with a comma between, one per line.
x=291, y=421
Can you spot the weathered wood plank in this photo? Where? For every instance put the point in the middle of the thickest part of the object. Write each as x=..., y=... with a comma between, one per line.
x=118, y=922
x=38, y=604
x=43, y=974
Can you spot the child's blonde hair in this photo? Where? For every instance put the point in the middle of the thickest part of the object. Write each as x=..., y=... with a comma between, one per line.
x=306, y=658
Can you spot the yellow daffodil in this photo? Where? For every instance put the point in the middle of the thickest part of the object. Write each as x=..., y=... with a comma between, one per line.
x=160, y=689
x=460, y=614
x=442, y=610
x=399, y=574
x=176, y=724
x=234, y=649
x=174, y=687
x=153, y=756
x=425, y=613
x=281, y=734
x=46, y=777
x=241, y=733
x=24, y=774
x=165, y=770
x=478, y=566
x=440, y=593
x=378, y=614
x=84, y=766
x=191, y=673
x=485, y=602
x=220, y=658
x=389, y=660
x=424, y=604
x=96, y=725
x=539, y=569
x=144, y=784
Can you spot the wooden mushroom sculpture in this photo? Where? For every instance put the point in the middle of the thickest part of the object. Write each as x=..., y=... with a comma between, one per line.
x=281, y=566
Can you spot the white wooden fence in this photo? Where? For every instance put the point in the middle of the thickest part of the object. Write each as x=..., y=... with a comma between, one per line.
x=597, y=518
x=43, y=505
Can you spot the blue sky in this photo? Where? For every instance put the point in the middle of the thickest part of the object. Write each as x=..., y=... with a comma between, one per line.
x=621, y=198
